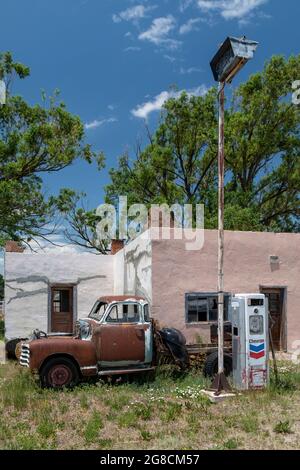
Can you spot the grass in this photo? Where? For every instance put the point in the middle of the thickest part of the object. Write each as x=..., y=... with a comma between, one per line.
x=167, y=412
x=93, y=427
x=283, y=427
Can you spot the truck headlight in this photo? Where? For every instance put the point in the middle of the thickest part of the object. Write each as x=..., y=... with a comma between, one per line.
x=82, y=329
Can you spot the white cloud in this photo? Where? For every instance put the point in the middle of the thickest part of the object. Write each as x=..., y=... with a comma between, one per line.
x=189, y=26
x=98, y=123
x=190, y=70
x=132, y=49
x=184, y=4
x=60, y=246
x=159, y=31
x=142, y=111
x=230, y=9
x=132, y=14
x=170, y=58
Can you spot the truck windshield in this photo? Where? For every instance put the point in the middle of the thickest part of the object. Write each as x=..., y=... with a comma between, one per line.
x=98, y=310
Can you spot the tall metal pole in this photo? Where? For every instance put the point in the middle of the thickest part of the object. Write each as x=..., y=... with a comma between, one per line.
x=220, y=382
x=221, y=232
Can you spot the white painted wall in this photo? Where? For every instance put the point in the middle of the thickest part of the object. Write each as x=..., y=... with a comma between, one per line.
x=119, y=275
x=138, y=267
x=30, y=275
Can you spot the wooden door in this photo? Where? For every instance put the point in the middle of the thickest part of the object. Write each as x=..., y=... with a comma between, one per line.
x=62, y=309
x=275, y=297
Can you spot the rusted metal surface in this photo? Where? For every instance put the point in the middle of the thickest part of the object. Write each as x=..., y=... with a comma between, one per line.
x=83, y=352
x=221, y=231
x=125, y=371
x=120, y=342
x=112, y=345
x=233, y=54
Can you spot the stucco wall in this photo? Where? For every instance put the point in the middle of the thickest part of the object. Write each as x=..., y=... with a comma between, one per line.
x=137, y=272
x=119, y=274
x=30, y=275
x=176, y=271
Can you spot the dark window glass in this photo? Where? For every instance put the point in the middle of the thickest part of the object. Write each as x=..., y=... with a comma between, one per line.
x=61, y=301
x=204, y=308
x=124, y=313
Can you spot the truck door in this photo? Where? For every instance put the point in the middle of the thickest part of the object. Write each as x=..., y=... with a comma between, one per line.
x=122, y=336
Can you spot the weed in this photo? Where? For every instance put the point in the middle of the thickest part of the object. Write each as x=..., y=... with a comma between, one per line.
x=63, y=407
x=283, y=427
x=143, y=411
x=15, y=392
x=46, y=428
x=172, y=412
x=104, y=443
x=117, y=403
x=93, y=427
x=127, y=419
x=249, y=423
x=84, y=403
x=145, y=435
x=231, y=444
x=26, y=442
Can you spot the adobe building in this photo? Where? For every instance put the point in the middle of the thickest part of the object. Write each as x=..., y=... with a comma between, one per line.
x=50, y=291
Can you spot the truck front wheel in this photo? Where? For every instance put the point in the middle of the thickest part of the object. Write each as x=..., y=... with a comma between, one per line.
x=59, y=372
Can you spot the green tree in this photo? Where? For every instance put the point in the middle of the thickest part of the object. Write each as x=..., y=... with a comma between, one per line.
x=262, y=154
x=33, y=140
x=80, y=222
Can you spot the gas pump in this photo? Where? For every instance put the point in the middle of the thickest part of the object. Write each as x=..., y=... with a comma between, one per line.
x=250, y=345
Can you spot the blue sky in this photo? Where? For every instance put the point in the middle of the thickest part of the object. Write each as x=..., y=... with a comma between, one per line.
x=114, y=61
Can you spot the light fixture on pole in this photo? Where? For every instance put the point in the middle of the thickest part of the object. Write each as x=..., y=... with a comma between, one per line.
x=233, y=54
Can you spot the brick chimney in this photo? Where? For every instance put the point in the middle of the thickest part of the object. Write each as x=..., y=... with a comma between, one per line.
x=13, y=247
x=116, y=245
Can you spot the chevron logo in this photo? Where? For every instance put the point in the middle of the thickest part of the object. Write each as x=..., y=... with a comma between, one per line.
x=257, y=351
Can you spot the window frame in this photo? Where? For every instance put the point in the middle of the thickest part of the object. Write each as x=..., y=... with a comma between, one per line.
x=115, y=304
x=206, y=295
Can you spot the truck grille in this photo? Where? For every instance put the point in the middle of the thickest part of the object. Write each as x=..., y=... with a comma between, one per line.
x=25, y=355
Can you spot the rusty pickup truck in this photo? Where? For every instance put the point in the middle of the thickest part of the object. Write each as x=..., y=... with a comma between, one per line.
x=118, y=337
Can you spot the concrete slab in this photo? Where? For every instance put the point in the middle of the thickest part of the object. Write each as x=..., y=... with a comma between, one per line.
x=217, y=398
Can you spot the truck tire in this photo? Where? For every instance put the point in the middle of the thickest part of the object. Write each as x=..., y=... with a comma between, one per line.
x=59, y=372
x=211, y=364
x=10, y=347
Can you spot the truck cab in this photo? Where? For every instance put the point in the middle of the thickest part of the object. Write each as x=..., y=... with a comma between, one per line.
x=116, y=338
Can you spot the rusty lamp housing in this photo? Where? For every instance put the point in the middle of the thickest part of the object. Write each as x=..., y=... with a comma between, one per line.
x=231, y=57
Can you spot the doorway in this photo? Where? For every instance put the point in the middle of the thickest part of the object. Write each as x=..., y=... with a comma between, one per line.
x=62, y=309
x=277, y=322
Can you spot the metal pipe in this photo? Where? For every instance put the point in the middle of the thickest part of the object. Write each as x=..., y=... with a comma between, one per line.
x=221, y=231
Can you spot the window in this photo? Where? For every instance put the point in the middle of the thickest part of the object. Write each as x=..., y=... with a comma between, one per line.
x=61, y=301
x=204, y=307
x=124, y=313
x=98, y=310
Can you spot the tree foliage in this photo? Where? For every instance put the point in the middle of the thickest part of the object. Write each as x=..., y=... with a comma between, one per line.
x=262, y=179
x=81, y=223
x=33, y=140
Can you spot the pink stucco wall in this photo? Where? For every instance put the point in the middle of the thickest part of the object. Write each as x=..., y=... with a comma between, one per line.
x=176, y=271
